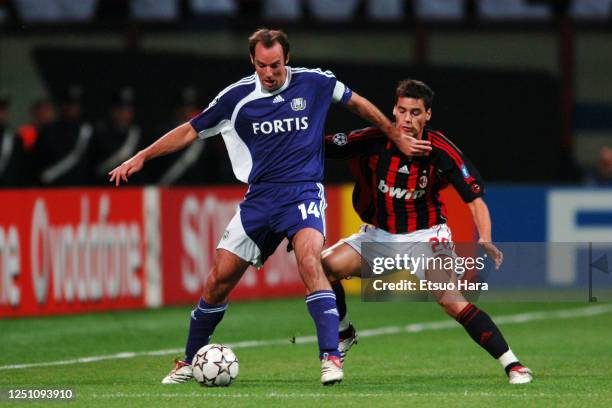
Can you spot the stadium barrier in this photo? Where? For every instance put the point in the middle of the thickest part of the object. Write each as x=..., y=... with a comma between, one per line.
x=71, y=251
x=83, y=250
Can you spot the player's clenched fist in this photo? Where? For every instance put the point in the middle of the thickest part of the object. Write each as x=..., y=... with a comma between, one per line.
x=126, y=169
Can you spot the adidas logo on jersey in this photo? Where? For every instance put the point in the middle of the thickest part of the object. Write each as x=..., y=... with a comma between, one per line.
x=278, y=99
x=404, y=169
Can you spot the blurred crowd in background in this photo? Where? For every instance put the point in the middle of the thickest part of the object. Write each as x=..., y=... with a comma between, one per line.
x=182, y=11
x=62, y=144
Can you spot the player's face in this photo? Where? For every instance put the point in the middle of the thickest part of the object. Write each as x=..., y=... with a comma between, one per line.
x=411, y=116
x=270, y=66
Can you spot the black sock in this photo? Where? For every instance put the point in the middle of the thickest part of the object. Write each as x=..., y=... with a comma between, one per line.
x=482, y=330
x=340, y=299
x=346, y=328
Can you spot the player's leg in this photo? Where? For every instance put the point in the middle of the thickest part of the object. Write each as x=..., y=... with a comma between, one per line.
x=307, y=244
x=302, y=220
x=477, y=323
x=321, y=301
x=342, y=261
x=235, y=252
x=481, y=328
x=227, y=270
x=247, y=240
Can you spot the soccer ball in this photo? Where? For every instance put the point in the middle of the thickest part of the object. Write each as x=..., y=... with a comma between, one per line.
x=215, y=365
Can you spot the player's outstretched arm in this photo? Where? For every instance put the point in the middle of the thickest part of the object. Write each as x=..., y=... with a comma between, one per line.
x=172, y=141
x=368, y=111
x=482, y=219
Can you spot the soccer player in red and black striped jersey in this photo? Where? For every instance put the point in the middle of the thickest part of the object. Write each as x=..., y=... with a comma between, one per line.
x=397, y=196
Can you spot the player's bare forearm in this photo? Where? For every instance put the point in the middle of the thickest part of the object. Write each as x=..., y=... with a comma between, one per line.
x=172, y=141
x=482, y=220
x=368, y=111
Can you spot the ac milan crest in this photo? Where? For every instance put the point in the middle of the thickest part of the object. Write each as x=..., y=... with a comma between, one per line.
x=423, y=181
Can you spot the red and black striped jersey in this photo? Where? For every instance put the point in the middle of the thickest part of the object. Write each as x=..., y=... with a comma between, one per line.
x=399, y=193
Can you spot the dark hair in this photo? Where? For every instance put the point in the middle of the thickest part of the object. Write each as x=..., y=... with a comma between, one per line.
x=268, y=38
x=412, y=88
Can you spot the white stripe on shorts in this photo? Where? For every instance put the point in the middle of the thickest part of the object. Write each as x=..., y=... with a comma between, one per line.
x=322, y=207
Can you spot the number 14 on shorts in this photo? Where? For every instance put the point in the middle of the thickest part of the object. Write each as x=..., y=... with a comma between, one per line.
x=312, y=210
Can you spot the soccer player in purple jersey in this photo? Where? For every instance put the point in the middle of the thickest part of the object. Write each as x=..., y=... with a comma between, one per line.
x=272, y=124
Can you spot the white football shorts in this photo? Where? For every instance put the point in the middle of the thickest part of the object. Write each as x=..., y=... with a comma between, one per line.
x=425, y=244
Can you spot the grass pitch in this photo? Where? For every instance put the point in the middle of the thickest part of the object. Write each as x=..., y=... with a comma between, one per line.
x=415, y=365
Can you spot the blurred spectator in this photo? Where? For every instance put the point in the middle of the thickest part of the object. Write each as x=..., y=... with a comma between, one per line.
x=333, y=10
x=180, y=162
x=513, y=9
x=4, y=13
x=188, y=105
x=285, y=10
x=213, y=7
x=62, y=149
x=385, y=10
x=205, y=161
x=12, y=156
x=154, y=10
x=117, y=139
x=440, y=9
x=52, y=11
x=42, y=114
x=5, y=103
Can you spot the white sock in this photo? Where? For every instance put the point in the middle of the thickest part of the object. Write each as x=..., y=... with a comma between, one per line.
x=507, y=358
x=344, y=323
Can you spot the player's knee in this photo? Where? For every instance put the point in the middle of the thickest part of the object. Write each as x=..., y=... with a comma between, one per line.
x=331, y=267
x=328, y=269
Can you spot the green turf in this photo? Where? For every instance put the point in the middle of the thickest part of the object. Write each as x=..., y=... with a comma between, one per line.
x=571, y=358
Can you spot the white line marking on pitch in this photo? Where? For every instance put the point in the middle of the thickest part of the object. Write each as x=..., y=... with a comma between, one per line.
x=458, y=394
x=411, y=328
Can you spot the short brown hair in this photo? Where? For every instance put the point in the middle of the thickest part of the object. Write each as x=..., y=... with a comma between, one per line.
x=268, y=38
x=412, y=88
